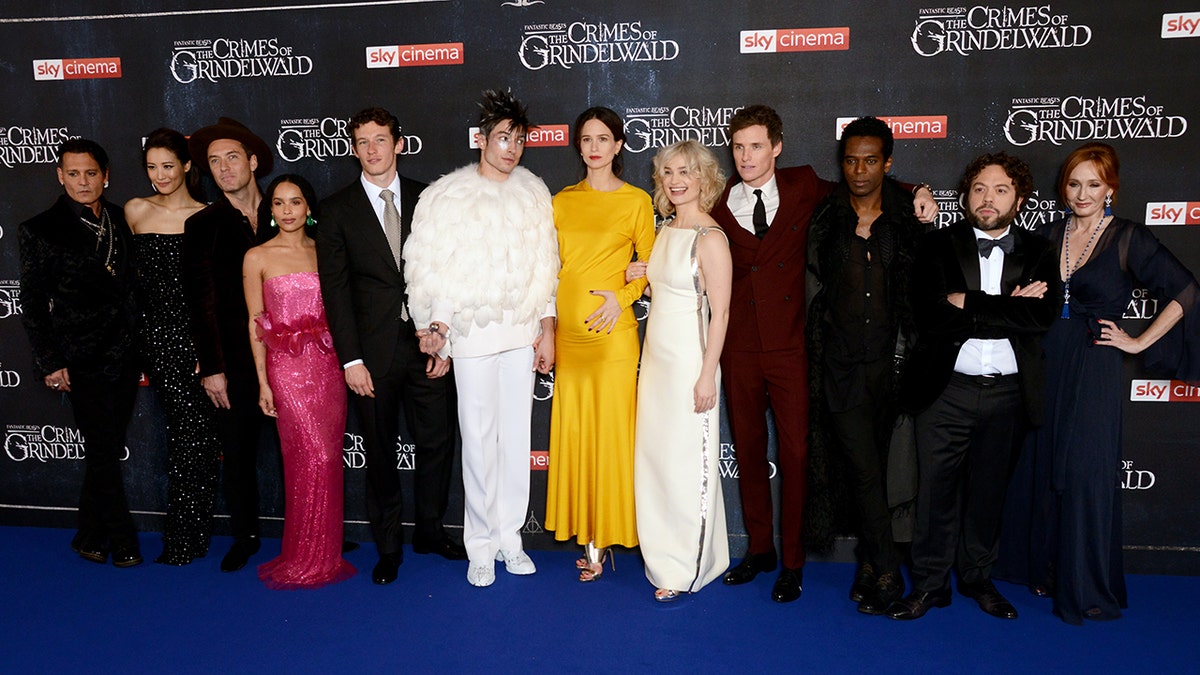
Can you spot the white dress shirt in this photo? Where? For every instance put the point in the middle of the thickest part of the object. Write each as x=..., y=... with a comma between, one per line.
x=741, y=202
x=988, y=357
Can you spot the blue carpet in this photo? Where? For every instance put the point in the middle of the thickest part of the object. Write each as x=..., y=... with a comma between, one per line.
x=62, y=613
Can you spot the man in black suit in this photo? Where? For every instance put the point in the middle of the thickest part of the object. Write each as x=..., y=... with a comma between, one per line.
x=359, y=241
x=214, y=242
x=77, y=280
x=984, y=291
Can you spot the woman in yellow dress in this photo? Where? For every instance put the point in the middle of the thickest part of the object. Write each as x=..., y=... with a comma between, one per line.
x=602, y=222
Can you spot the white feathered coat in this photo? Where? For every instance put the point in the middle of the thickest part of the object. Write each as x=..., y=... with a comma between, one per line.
x=483, y=259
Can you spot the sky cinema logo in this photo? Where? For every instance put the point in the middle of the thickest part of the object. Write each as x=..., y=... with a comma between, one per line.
x=322, y=138
x=1173, y=213
x=582, y=42
x=659, y=126
x=401, y=56
x=1181, y=25
x=541, y=136
x=964, y=31
x=231, y=58
x=910, y=127
x=76, y=69
x=1072, y=119
x=795, y=40
x=1163, y=391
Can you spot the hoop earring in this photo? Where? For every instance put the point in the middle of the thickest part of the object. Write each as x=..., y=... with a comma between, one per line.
x=1108, y=204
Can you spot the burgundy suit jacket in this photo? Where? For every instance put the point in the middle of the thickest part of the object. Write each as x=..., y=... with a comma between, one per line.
x=767, y=300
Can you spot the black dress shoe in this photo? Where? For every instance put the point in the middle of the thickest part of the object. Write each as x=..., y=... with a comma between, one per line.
x=96, y=556
x=239, y=554
x=387, y=568
x=917, y=604
x=443, y=547
x=127, y=557
x=864, y=582
x=348, y=546
x=989, y=599
x=787, y=586
x=888, y=589
x=749, y=568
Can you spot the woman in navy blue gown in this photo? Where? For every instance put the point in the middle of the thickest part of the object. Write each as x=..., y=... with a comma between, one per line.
x=1063, y=517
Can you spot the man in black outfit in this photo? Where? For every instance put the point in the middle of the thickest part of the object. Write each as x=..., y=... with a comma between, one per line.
x=359, y=241
x=984, y=291
x=862, y=241
x=77, y=280
x=214, y=242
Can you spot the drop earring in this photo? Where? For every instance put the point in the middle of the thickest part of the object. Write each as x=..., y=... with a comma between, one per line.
x=1108, y=204
x=310, y=221
x=273, y=222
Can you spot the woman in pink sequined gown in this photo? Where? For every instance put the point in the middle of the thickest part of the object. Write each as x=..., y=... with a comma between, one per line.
x=300, y=383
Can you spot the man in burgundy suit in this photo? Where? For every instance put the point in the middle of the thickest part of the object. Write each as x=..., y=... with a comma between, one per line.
x=765, y=214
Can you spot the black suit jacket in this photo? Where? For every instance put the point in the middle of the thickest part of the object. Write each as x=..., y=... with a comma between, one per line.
x=77, y=315
x=948, y=262
x=215, y=241
x=363, y=289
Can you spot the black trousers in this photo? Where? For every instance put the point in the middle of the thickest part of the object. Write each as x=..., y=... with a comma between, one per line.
x=864, y=434
x=429, y=414
x=240, y=432
x=966, y=441
x=103, y=407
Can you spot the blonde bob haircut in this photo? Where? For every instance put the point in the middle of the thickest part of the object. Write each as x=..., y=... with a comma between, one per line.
x=701, y=162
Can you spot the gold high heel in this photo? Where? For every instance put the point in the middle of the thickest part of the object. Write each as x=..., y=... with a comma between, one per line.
x=593, y=567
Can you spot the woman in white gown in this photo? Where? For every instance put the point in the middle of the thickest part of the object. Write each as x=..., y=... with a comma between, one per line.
x=677, y=482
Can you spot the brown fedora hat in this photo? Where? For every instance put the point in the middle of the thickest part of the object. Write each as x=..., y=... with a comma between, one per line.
x=227, y=127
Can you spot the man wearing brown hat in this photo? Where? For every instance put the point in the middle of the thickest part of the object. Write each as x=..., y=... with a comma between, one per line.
x=214, y=242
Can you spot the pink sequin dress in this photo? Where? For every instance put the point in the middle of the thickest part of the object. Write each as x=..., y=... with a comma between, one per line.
x=310, y=398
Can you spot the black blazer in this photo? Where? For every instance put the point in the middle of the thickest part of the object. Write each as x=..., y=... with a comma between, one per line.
x=948, y=262
x=363, y=289
x=215, y=241
x=77, y=315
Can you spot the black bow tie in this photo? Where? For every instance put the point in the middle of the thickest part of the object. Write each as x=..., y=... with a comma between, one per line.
x=986, y=244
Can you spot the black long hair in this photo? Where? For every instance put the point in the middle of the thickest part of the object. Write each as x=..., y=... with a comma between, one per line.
x=265, y=231
x=176, y=143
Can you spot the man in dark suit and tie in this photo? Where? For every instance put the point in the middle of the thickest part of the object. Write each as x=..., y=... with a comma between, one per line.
x=984, y=291
x=214, y=242
x=359, y=240
x=765, y=212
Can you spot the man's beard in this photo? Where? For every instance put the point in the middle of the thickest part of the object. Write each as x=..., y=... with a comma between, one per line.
x=1002, y=220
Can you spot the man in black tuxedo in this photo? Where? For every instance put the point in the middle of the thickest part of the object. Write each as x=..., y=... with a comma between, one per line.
x=984, y=290
x=359, y=241
x=77, y=280
x=214, y=242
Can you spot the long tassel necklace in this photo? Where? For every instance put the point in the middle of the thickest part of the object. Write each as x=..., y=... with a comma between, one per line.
x=1071, y=269
x=101, y=229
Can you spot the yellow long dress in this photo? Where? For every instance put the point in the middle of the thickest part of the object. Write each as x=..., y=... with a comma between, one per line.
x=590, y=482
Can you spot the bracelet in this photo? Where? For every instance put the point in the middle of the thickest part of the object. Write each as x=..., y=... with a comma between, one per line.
x=918, y=186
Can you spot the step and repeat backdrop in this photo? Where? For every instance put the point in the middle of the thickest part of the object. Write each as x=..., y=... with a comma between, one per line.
x=953, y=80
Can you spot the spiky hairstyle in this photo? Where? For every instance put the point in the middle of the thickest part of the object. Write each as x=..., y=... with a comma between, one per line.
x=497, y=106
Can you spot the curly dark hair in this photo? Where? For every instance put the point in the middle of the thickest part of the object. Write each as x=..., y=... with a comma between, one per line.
x=377, y=115
x=497, y=106
x=1014, y=167
x=752, y=115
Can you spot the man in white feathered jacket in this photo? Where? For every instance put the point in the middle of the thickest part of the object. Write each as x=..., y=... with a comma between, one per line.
x=481, y=266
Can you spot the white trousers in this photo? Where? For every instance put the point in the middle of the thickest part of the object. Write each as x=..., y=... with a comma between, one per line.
x=495, y=405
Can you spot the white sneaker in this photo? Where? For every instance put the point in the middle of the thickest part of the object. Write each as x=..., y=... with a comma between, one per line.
x=516, y=562
x=481, y=575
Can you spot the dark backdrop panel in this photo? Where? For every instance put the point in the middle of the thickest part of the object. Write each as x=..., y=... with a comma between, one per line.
x=1033, y=80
